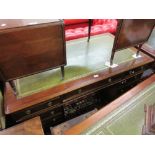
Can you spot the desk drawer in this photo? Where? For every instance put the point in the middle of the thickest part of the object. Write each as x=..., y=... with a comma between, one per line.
x=36, y=109
x=129, y=81
x=79, y=106
x=44, y=113
x=52, y=121
x=52, y=113
x=105, y=83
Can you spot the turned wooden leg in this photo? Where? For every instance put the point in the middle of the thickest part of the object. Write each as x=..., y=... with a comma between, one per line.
x=89, y=29
x=112, y=57
x=139, y=49
x=12, y=84
x=62, y=72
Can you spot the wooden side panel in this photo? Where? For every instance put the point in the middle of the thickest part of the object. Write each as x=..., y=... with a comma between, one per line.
x=31, y=49
x=133, y=31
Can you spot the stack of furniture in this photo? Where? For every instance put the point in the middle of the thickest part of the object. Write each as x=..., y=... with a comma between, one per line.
x=30, y=49
x=88, y=83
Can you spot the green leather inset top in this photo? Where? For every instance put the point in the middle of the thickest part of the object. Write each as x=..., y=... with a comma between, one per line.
x=82, y=59
x=128, y=119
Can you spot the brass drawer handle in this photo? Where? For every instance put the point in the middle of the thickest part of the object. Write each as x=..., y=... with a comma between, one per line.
x=79, y=91
x=49, y=103
x=131, y=72
x=109, y=80
x=142, y=68
x=122, y=90
x=28, y=112
x=52, y=112
x=124, y=81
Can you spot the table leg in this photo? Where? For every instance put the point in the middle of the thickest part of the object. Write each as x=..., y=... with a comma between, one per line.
x=139, y=49
x=89, y=28
x=12, y=84
x=62, y=72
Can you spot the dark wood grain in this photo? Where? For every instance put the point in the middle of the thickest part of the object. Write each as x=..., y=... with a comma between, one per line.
x=30, y=46
x=30, y=127
x=79, y=128
x=6, y=24
x=131, y=32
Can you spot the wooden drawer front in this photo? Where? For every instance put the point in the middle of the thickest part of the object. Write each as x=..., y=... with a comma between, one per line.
x=52, y=113
x=84, y=90
x=43, y=113
x=104, y=83
x=47, y=104
x=73, y=93
x=79, y=106
x=121, y=78
x=140, y=69
x=35, y=109
x=129, y=81
x=51, y=121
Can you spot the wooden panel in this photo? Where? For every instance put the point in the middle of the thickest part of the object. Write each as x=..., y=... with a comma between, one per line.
x=133, y=31
x=28, y=49
x=30, y=127
x=14, y=23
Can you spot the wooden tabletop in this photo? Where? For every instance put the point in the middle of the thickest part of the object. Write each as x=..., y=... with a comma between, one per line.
x=30, y=127
x=16, y=23
x=83, y=126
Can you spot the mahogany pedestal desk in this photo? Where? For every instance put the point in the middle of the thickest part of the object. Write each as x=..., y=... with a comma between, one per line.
x=87, y=80
x=29, y=127
x=124, y=116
